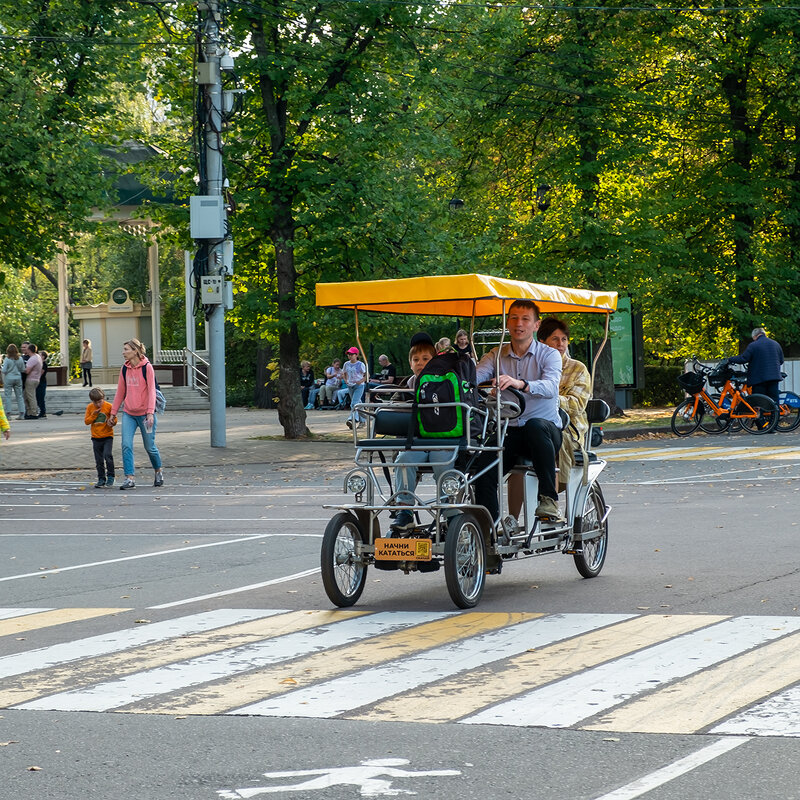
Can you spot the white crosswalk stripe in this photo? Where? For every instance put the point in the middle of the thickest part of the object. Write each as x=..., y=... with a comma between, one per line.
x=622, y=672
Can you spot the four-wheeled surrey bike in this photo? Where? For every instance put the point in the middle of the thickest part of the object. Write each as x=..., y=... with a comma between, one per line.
x=451, y=531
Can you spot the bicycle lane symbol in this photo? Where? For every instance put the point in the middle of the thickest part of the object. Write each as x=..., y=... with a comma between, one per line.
x=368, y=776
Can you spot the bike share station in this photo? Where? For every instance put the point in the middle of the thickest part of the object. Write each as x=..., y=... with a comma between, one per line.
x=451, y=530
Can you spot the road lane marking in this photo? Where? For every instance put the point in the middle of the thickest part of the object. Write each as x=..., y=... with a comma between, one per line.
x=56, y=570
x=666, y=774
x=572, y=700
x=237, y=590
x=465, y=694
x=777, y=716
x=134, y=688
x=57, y=654
x=173, y=520
x=165, y=651
x=44, y=619
x=7, y=613
x=335, y=697
x=703, y=699
x=271, y=681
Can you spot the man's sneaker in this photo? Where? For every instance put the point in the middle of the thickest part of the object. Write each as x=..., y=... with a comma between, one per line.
x=159, y=479
x=110, y=481
x=128, y=483
x=548, y=509
x=100, y=484
x=404, y=521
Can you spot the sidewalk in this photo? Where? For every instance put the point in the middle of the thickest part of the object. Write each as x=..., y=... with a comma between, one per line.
x=183, y=437
x=63, y=443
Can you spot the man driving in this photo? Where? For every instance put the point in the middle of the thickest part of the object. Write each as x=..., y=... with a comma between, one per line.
x=533, y=368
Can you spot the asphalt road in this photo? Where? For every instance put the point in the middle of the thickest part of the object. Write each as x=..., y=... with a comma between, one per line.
x=133, y=623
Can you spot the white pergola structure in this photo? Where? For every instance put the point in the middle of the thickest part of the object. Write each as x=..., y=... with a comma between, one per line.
x=122, y=216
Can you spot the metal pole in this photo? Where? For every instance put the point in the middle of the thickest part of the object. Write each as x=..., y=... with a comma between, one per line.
x=155, y=297
x=63, y=307
x=214, y=173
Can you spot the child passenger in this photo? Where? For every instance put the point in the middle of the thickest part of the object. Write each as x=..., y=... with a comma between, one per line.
x=98, y=415
x=418, y=356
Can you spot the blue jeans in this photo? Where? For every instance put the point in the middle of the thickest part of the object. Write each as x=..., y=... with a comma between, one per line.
x=356, y=395
x=407, y=477
x=130, y=422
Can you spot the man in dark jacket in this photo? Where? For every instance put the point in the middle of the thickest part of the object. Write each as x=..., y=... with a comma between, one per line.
x=764, y=358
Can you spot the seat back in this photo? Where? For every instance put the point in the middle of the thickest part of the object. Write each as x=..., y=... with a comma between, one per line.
x=597, y=411
x=391, y=422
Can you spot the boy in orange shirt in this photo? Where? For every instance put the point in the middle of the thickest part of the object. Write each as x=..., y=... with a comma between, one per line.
x=98, y=415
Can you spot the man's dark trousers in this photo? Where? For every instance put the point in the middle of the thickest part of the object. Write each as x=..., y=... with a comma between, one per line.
x=539, y=440
x=769, y=388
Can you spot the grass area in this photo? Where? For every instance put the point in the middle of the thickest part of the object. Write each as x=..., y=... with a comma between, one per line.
x=640, y=418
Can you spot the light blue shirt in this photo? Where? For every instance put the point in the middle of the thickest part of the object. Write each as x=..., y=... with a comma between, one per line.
x=540, y=366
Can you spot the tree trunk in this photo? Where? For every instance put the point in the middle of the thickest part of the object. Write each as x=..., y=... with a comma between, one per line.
x=291, y=413
x=734, y=87
x=263, y=393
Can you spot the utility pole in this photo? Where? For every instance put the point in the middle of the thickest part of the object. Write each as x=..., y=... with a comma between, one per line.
x=213, y=263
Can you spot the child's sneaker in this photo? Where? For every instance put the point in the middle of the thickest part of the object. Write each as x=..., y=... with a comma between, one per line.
x=100, y=484
x=110, y=481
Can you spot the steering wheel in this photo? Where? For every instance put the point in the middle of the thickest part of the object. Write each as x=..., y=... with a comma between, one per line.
x=512, y=401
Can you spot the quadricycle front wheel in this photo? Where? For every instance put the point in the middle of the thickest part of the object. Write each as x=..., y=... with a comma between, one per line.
x=344, y=571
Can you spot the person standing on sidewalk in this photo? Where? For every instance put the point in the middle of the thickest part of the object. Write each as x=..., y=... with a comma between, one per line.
x=86, y=362
x=98, y=415
x=136, y=387
x=41, y=389
x=764, y=358
x=13, y=370
x=355, y=377
x=33, y=374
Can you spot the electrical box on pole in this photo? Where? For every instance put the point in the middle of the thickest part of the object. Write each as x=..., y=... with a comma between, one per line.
x=213, y=262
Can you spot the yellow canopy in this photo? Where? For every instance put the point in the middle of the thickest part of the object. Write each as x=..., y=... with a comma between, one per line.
x=458, y=296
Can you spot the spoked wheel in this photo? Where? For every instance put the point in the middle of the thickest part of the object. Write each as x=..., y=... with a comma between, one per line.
x=685, y=419
x=343, y=572
x=790, y=412
x=464, y=561
x=593, y=549
x=767, y=414
x=714, y=423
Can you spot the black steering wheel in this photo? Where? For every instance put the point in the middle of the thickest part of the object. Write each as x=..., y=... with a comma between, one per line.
x=512, y=401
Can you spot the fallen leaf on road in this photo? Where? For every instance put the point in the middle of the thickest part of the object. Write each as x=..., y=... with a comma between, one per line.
x=289, y=680
x=141, y=621
x=34, y=769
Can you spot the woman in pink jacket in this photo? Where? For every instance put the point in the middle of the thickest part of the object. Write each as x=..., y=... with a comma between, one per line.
x=137, y=389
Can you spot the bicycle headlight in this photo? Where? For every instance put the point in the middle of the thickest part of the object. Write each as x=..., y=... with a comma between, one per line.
x=452, y=483
x=356, y=483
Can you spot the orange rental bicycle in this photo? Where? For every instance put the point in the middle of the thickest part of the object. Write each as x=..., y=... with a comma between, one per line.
x=756, y=413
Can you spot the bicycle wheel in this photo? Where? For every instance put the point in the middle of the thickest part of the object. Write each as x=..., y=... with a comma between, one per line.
x=589, y=561
x=711, y=422
x=767, y=414
x=685, y=419
x=344, y=572
x=790, y=411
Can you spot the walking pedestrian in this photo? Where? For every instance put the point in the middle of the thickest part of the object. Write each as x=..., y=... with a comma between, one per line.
x=136, y=387
x=98, y=415
x=5, y=428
